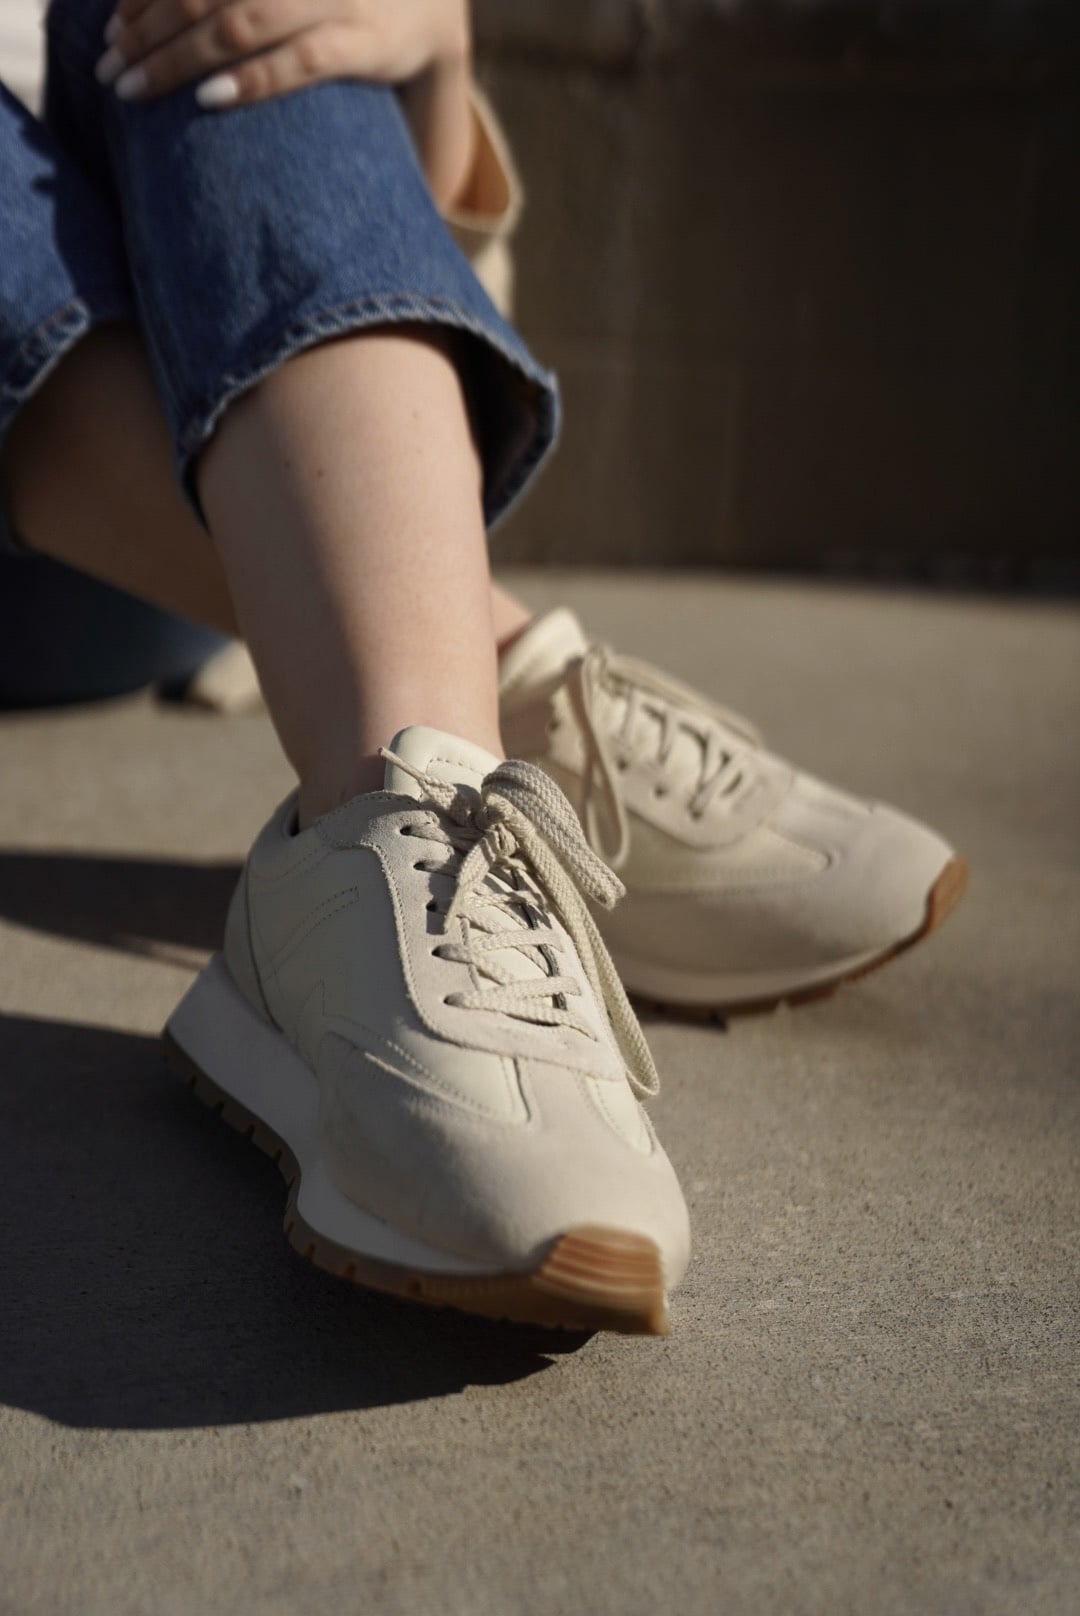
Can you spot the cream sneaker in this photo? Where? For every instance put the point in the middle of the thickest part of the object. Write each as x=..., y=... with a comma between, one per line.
x=415, y=1014
x=748, y=882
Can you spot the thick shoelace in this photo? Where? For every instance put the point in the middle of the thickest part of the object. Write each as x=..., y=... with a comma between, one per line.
x=723, y=736
x=518, y=819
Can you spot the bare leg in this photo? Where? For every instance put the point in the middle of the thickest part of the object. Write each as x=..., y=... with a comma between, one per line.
x=510, y=615
x=344, y=494
x=87, y=478
x=115, y=512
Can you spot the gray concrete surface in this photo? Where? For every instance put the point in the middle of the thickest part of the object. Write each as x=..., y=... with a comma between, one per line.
x=871, y=1398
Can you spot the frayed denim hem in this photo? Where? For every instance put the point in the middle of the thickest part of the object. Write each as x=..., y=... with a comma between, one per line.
x=47, y=344
x=536, y=389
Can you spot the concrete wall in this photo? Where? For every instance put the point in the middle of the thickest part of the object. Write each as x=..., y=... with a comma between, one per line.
x=807, y=309
x=809, y=273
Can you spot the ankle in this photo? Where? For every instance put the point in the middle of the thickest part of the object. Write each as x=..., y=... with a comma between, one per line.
x=503, y=644
x=324, y=789
x=510, y=618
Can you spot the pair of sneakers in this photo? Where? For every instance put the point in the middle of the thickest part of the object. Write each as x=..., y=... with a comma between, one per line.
x=420, y=1008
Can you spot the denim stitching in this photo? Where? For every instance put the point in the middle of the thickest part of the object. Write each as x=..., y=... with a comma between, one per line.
x=526, y=377
x=50, y=340
x=387, y=308
x=43, y=344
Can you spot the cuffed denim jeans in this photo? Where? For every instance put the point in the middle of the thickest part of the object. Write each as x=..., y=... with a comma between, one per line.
x=235, y=240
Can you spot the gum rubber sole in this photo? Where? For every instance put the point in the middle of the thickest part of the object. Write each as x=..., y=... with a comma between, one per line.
x=588, y=1279
x=942, y=899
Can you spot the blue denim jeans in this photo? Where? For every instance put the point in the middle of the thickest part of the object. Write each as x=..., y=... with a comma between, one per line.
x=236, y=239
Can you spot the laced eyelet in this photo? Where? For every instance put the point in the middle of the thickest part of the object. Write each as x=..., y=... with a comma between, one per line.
x=622, y=764
x=659, y=791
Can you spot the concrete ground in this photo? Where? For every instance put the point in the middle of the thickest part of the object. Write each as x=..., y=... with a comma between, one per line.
x=871, y=1398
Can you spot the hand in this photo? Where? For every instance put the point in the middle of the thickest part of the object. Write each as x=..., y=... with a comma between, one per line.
x=244, y=51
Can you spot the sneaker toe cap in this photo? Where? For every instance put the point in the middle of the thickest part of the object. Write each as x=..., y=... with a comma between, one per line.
x=875, y=891
x=875, y=875
x=496, y=1192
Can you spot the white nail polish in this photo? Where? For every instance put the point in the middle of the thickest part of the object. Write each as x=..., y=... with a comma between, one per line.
x=110, y=66
x=221, y=91
x=113, y=29
x=132, y=84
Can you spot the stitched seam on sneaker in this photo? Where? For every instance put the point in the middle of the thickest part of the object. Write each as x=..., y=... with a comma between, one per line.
x=300, y=862
x=255, y=936
x=700, y=886
x=426, y=1079
x=595, y=1098
x=439, y=1104
x=403, y=801
x=345, y=898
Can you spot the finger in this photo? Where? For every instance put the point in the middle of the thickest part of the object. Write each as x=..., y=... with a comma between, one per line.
x=233, y=31
x=130, y=41
x=312, y=57
x=128, y=12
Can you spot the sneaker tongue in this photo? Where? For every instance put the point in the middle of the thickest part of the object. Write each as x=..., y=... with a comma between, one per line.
x=543, y=652
x=458, y=762
x=447, y=757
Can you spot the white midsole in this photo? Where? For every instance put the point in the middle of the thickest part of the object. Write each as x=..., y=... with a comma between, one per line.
x=252, y=1062
x=673, y=985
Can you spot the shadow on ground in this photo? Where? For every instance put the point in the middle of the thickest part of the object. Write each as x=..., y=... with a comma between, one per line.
x=144, y=1279
x=138, y=905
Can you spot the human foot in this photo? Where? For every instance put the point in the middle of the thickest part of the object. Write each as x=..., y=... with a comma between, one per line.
x=414, y=1013
x=748, y=882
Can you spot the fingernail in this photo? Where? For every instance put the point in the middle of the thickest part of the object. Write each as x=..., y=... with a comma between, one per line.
x=110, y=66
x=113, y=29
x=221, y=91
x=132, y=84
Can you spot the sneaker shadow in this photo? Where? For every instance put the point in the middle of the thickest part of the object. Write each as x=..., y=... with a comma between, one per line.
x=149, y=906
x=145, y=1282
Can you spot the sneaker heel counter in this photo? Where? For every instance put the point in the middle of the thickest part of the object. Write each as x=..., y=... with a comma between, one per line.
x=239, y=956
